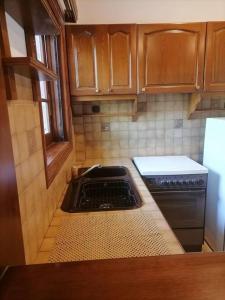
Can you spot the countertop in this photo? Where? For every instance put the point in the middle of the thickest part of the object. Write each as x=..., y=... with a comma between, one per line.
x=112, y=234
x=187, y=277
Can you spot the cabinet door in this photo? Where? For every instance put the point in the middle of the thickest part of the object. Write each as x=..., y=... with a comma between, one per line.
x=171, y=57
x=122, y=58
x=82, y=44
x=215, y=57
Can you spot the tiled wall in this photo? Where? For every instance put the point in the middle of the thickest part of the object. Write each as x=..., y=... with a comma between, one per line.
x=37, y=203
x=162, y=128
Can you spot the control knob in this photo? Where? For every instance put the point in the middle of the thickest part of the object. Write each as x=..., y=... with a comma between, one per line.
x=162, y=182
x=187, y=182
x=200, y=182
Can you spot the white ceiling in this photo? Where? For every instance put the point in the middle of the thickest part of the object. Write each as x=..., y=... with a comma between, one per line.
x=146, y=11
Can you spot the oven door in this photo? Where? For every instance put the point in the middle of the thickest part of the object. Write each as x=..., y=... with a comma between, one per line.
x=182, y=209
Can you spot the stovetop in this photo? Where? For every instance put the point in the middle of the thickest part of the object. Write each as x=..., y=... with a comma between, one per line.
x=171, y=172
x=168, y=165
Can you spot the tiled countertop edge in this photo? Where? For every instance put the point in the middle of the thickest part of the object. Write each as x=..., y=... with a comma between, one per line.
x=149, y=206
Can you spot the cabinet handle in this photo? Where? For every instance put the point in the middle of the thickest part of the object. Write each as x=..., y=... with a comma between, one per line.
x=143, y=89
x=197, y=87
x=97, y=90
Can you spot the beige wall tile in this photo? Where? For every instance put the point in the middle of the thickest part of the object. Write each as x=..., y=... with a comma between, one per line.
x=32, y=141
x=15, y=146
x=162, y=128
x=19, y=179
x=29, y=117
x=19, y=118
x=37, y=203
x=25, y=173
x=23, y=146
x=23, y=208
x=11, y=118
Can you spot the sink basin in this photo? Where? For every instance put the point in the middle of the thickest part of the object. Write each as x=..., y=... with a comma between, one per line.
x=106, y=195
x=116, y=171
x=102, y=189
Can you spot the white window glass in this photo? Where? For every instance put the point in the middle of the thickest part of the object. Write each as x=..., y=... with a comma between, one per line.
x=45, y=114
x=39, y=48
x=43, y=90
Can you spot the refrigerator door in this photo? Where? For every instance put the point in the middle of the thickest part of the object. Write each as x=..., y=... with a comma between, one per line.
x=214, y=160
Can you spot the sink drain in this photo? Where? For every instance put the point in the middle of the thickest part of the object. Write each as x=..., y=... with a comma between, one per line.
x=105, y=206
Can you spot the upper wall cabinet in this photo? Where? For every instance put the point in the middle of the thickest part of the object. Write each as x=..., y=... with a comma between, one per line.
x=82, y=61
x=102, y=59
x=215, y=57
x=171, y=57
x=122, y=59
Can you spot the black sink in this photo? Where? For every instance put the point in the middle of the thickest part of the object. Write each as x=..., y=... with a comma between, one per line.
x=102, y=189
x=105, y=172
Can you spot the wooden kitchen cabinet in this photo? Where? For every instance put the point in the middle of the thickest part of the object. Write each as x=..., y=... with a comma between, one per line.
x=82, y=43
x=171, y=57
x=215, y=57
x=122, y=61
x=102, y=59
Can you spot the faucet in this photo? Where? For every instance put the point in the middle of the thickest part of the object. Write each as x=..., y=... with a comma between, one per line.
x=88, y=171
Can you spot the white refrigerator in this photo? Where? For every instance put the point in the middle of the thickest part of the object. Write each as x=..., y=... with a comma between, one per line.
x=214, y=160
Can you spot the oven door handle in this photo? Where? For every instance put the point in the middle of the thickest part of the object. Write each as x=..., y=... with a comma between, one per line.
x=178, y=191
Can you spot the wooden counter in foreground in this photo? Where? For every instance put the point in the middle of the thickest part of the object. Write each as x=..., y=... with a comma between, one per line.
x=188, y=276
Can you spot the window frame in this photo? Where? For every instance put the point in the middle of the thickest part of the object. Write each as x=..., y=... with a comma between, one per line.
x=55, y=150
x=48, y=46
x=58, y=150
x=50, y=22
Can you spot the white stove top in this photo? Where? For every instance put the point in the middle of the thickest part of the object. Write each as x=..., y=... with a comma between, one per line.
x=168, y=165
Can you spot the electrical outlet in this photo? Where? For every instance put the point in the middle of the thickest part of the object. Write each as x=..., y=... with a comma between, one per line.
x=95, y=108
x=105, y=127
x=178, y=123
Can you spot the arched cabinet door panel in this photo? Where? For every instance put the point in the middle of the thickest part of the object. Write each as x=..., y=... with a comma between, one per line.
x=83, y=60
x=215, y=57
x=171, y=57
x=122, y=59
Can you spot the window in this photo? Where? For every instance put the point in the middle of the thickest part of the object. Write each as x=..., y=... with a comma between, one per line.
x=54, y=102
x=51, y=98
x=45, y=46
